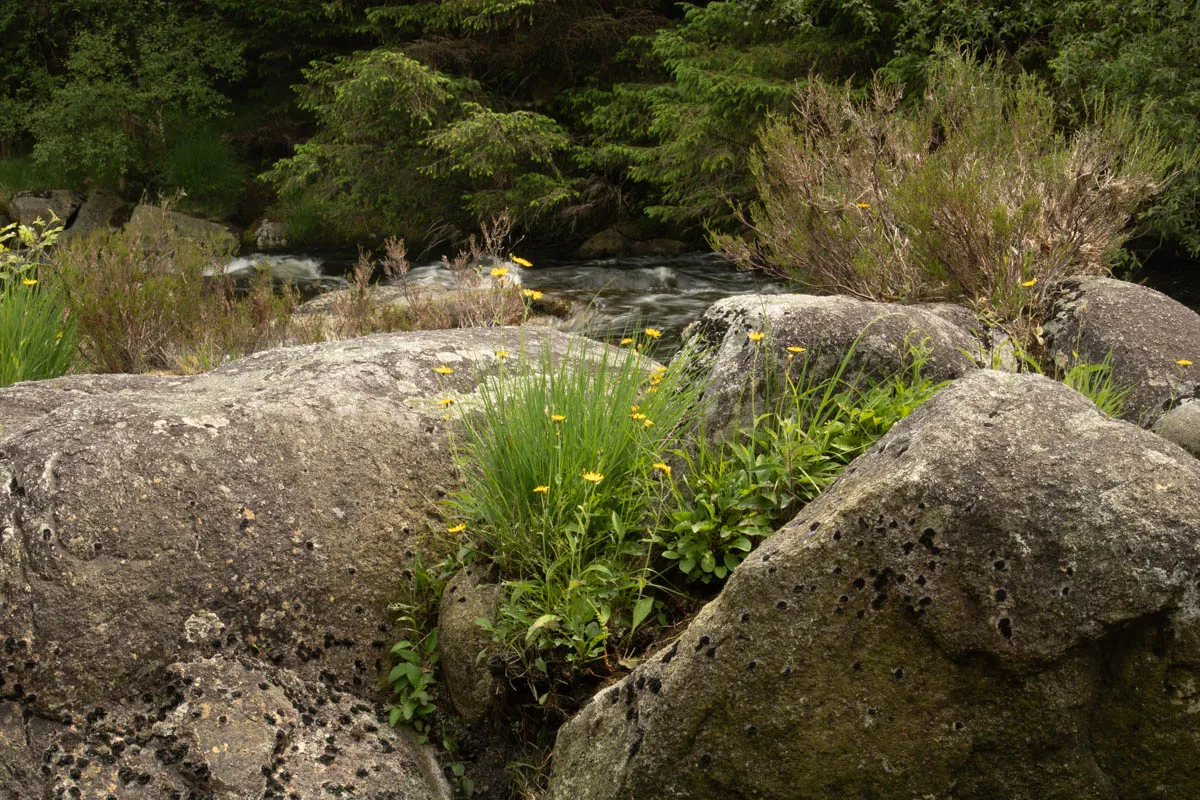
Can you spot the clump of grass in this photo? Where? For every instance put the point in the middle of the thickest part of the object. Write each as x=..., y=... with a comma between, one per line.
x=37, y=333
x=972, y=193
x=559, y=490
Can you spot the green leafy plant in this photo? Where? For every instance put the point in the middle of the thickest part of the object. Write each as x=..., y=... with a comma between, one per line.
x=413, y=680
x=739, y=491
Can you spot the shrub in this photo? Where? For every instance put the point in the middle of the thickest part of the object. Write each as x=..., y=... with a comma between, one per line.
x=37, y=334
x=971, y=193
x=145, y=298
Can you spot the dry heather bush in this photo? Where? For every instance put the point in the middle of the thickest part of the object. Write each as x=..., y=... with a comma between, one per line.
x=476, y=297
x=972, y=193
x=144, y=300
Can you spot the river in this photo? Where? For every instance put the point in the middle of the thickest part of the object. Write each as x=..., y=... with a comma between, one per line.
x=609, y=296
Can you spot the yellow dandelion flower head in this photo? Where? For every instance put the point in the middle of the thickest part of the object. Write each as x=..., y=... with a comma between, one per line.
x=30, y=281
x=1030, y=282
x=532, y=294
x=755, y=336
x=446, y=401
x=502, y=353
x=58, y=335
x=498, y=272
x=637, y=415
x=543, y=489
x=863, y=205
x=634, y=408
x=626, y=341
x=797, y=349
x=647, y=423
x=459, y=528
x=444, y=370
x=520, y=262
x=557, y=417
x=593, y=477
x=1183, y=362
x=662, y=467
x=653, y=333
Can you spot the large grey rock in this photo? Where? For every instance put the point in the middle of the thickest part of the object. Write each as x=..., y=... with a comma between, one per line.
x=101, y=211
x=269, y=234
x=998, y=600
x=219, y=236
x=282, y=494
x=28, y=207
x=1146, y=333
x=465, y=646
x=1181, y=425
x=218, y=728
x=740, y=370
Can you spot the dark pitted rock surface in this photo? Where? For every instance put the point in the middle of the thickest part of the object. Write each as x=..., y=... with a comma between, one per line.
x=825, y=327
x=998, y=600
x=1146, y=332
x=216, y=728
x=273, y=503
x=465, y=646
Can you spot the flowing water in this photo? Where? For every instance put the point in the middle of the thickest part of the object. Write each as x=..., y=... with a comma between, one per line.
x=609, y=296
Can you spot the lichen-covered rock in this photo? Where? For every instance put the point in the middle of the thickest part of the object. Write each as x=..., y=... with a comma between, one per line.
x=219, y=728
x=826, y=328
x=464, y=645
x=998, y=600
x=28, y=207
x=1181, y=425
x=219, y=236
x=269, y=234
x=267, y=507
x=102, y=210
x=1146, y=333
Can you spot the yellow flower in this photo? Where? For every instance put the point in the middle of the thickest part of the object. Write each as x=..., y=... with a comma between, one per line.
x=459, y=528
x=499, y=272
x=863, y=205
x=541, y=489
x=557, y=417
x=797, y=349
x=636, y=415
x=502, y=353
x=755, y=336
x=653, y=333
x=593, y=477
x=663, y=467
x=1030, y=282
x=30, y=281
x=626, y=341
x=444, y=370
x=1183, y=362
x=446, y=401
x=647, y=423
x=634, y=408
x=532, y=294
x=521, y=262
